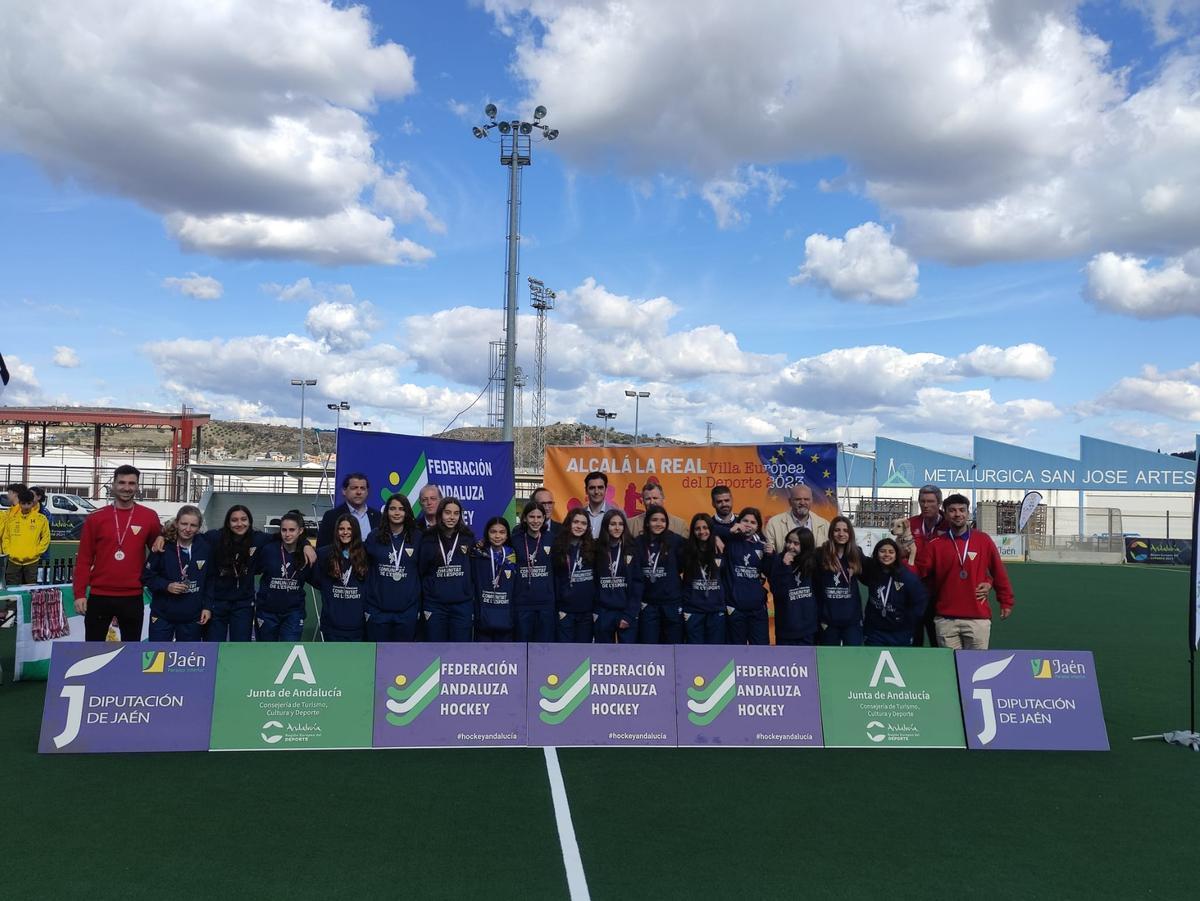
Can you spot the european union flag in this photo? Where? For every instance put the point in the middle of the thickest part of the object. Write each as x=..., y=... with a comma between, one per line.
x=814, y=465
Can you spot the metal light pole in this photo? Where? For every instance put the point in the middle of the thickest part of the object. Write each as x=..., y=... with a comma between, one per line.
x=637, y=402
x=515, y=151
x=607, y=417
x=362, y=423
x=338, y=408
x=302, y=384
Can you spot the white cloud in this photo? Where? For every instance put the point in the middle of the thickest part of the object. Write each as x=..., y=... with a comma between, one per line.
x=987, y=129
x=1170, y=19
x=303, y=289
x=344, y=238
x=342, y=326
x=725, y=194
x=244, y=124
x=396, y=195
x=23, y=387
x=1174, y=394
x=940, y=411
x=201, y=287
x=1022, y=361
x=1130, y=285
x=458, y=108
x=66, y=357
x=864, y=266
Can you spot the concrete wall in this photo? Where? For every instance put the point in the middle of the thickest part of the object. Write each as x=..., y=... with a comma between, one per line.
x=1052, y=555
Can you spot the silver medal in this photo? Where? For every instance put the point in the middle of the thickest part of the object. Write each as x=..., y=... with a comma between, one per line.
x=119, y=555
x=962, y=573
x=397, y=575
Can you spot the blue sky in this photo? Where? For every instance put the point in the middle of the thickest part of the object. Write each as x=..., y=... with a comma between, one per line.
x=888, y=218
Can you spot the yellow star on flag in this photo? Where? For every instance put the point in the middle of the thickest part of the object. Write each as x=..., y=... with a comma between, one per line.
x=799, y=450
x=825, y=474
x=780, y=452
x=829, y=492
x=816, y=458
x=774, y=460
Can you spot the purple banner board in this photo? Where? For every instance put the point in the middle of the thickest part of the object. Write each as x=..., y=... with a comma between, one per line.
x=604, y=694
x=449, y=695
x=1031, y=700
x=733, y=696
x=138, y=696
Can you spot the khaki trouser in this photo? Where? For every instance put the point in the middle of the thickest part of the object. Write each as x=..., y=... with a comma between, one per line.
x=960, y=633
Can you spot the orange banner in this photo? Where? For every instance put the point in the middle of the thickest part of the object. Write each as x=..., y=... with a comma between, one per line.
x=758, y=475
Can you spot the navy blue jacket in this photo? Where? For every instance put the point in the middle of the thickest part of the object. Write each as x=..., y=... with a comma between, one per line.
x=705, y=595
x=745, y=565
x=618, y=580
x=494, y=595
x=235, y=587
x=534, y=583
x=281, y=588
x=574, y=586
x=389, y=594
x=445, y=582
x=663, y=583
x=721, y=529
x=896, y=598
x=796, y=605
x=162, y=569
x=840, y=604
x=343, y=602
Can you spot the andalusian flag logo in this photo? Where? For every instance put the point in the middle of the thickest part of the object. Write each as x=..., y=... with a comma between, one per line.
x=706, y=703
x=405, y=702
x=154, y=661
x=417, y=479
x=560, y=699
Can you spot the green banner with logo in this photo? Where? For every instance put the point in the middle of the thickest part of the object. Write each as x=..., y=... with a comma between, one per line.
x=889, y=698
x=289, y=697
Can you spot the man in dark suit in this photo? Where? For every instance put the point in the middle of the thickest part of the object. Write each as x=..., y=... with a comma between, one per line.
x=354, y=493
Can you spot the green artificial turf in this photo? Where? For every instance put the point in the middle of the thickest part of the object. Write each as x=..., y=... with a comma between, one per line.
x=687, y=823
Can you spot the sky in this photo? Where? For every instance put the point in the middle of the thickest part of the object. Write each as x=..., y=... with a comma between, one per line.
x=912, y=219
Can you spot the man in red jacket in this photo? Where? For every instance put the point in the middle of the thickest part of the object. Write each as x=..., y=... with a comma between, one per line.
x=112, y=552
x=962, y=567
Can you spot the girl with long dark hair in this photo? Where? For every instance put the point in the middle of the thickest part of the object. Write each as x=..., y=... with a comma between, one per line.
x=659, y=552
x=839, y=564
x=493, y=566
x=703, y=586
x=618, y=583
x=393, y=602
x=896, y=598
x=282, y=587
x=533, y=594
x=446, y=579
x=341, y=576
x=790, y=575
x=746, y=566
x=574, y=578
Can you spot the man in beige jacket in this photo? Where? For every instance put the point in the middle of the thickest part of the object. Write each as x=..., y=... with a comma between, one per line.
x=800, y=514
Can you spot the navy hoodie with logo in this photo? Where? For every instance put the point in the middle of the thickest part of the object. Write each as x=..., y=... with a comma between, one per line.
x=281, y=589
x=618, y=579
x=662, y=562
x=446, y=579
x=574, y=584
x=235, y=586
x=343, y=600
x=746, y=561
x=535, y=572
x=389, y=559
x=796, y=604
x=840, y=603
x=896, y=598
x=494, y=575
x=164, y=568
x=705, y=592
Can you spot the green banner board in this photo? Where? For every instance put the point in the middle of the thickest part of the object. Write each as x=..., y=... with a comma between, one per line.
x=288, y=697
x=889, y=698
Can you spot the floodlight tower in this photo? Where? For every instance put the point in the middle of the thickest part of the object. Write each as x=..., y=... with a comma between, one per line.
x=541, y=299
x=516, y=142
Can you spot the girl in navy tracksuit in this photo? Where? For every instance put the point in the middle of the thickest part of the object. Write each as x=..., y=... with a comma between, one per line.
x=341, y=575
x=282, y=596
x=659, y=551
x=446, y=581
x=838, y=566
x=229, y=585
x=394, y=599
x=574, y=578
x=494, y=573
x=746, y=561
x=175, y=579
x=896, y=598
x=533, y=594
x=790, y=576
x=703, y=585
x=618, y=583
